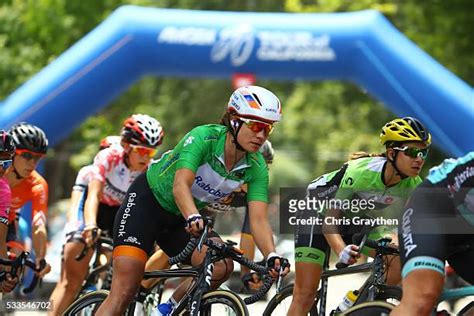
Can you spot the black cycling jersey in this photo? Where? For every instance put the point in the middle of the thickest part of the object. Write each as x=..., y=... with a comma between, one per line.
x=438, y=222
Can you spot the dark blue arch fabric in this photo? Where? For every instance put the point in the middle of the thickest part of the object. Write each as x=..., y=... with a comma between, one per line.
x=362, y=47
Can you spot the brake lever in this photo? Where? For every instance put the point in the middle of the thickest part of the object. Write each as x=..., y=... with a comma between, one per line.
x=202, y=239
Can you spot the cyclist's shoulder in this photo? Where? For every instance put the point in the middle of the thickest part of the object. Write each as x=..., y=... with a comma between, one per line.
x=111, y=155
x=36, y=179
x=30, y=187
x=112, y=151
x=85, y=170
x=449, y=166
x=328, y=179
x=366, y=167
x=256, y=160
x=411, y=182
x=39, y=185
x=207, y=132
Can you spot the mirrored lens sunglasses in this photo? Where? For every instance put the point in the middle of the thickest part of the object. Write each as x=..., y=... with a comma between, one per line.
x=144, y=151
x=28, y=155
x=6, y=163
x=257, y=127
x=414, y=152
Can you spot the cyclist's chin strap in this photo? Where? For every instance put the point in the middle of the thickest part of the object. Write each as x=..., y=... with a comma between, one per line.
x=394, y=164
x=234, y=128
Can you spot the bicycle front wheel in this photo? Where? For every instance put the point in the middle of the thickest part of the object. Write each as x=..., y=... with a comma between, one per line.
x=280, y=303
x=374, y=308
x=390, y=294
x=88, y=304
x=221, y=303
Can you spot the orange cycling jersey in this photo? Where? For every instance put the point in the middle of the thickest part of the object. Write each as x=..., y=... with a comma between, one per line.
x=35, y=189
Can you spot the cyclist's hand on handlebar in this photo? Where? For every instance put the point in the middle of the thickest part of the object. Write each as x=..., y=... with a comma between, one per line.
x=90, y=234
x=195, y=224
x=8, y=282
x=278, y=265
x=43, y=267
x=349, y=254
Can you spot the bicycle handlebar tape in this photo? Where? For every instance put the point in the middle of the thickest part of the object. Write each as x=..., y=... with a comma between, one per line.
x=35, y=279
x=185, y=253
x=267, y=284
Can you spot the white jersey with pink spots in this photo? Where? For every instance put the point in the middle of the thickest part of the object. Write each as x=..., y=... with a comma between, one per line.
x=109, y=168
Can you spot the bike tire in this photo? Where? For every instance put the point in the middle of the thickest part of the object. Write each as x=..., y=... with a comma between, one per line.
x=277, y=301
x=469, y=308
x=87, y=301
x=390, y=294
x=375, y=308
x=226, y=298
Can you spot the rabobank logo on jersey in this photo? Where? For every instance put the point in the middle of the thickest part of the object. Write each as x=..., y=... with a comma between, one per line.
x=209, y=186
x=206, y=187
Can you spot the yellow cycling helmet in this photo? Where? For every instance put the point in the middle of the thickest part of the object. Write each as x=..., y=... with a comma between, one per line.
x=407, y=129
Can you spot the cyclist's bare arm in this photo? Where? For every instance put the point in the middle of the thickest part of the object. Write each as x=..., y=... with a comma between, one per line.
x=260, y=227
x=183, y=181
x=91, y=207
x=331, y=232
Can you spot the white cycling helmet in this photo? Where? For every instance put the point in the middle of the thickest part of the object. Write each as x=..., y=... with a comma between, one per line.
x=255, y=103
x=142, y=130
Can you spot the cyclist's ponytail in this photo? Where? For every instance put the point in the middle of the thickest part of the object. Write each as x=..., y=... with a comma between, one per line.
x=225, y=119
x=363, y=154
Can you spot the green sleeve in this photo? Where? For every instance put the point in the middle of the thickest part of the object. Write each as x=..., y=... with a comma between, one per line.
x=192, y=150
x=258, y=184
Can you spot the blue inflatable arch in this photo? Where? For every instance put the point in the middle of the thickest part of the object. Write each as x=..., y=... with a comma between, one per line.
x=362, y=47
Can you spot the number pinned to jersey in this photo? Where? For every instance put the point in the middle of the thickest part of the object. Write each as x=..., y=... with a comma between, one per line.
x=188, y=141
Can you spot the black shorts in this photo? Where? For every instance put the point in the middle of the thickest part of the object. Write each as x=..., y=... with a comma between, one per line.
x=141, y=221
x=431, y=231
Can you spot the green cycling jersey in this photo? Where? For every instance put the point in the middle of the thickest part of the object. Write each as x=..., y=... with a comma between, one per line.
x=202, y=151
x=363, y=191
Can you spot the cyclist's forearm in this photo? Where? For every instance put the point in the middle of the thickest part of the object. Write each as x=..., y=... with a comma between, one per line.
x=331, y=231
x=336, y=242
x=3, y=244
x=260, y=227
x=39, y=238
x=264, y=238
x=91, y=208
x=183, y=181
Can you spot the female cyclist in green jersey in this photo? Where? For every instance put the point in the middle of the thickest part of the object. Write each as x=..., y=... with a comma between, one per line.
x=205, y=167
x=383, y=181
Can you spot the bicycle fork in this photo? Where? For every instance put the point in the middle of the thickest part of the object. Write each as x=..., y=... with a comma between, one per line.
x=204, y=285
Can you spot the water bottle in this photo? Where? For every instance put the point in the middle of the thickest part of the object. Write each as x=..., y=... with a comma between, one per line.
x=90, y=288
x=347, y=301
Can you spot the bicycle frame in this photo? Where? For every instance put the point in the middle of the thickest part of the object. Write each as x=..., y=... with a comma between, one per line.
x=177, y=273
x=368, y=289
x=202, y=274
x=102, y=245
x=457, y=293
